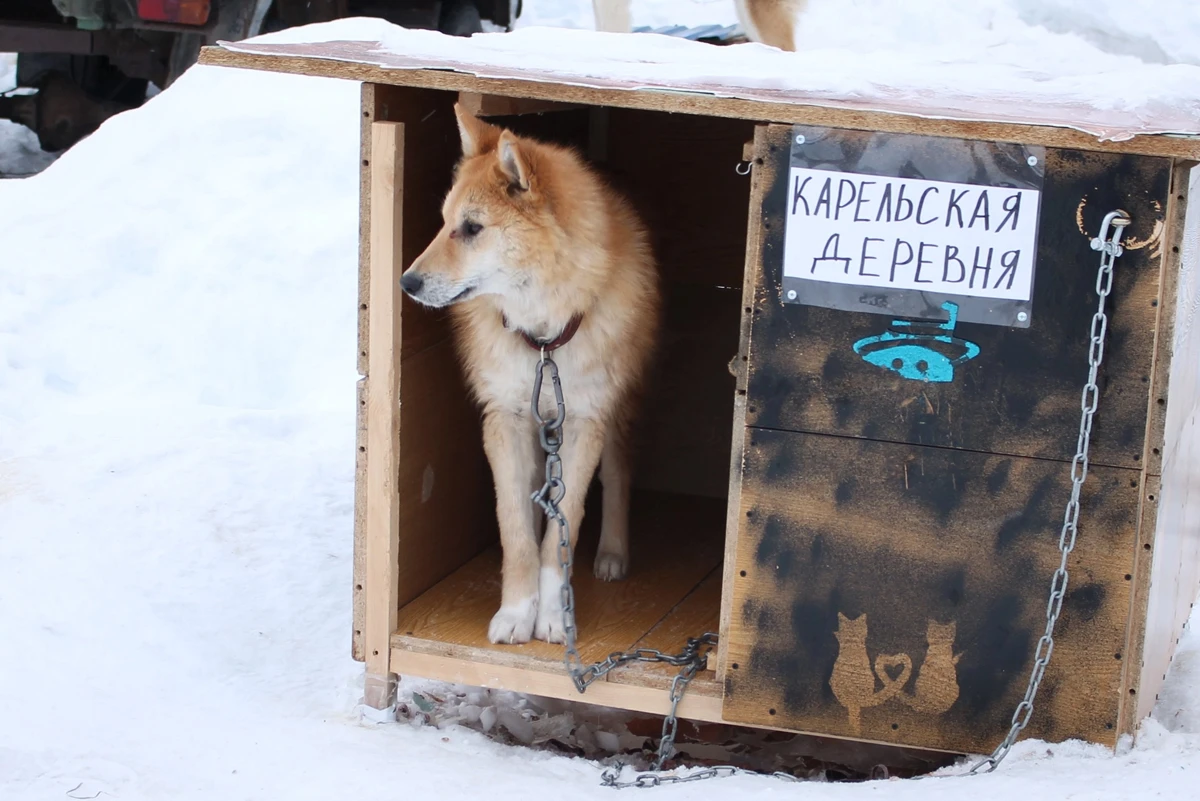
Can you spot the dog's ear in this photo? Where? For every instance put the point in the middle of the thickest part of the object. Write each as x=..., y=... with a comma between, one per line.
x=477, y=136
x=514, y=161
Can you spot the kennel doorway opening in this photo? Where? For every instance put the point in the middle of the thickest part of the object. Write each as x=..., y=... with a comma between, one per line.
x=449, y=576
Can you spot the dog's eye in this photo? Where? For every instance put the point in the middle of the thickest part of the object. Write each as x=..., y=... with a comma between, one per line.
x=470, y=228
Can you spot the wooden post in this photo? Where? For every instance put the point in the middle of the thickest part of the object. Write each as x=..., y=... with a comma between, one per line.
x=733, y=509
x=1167, y=571
x=383, y=411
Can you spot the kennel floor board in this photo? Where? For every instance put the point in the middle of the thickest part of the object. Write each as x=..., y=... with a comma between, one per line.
x=673, y=592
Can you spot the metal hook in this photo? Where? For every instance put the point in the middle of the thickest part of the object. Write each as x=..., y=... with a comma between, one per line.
x=1112, y=245
x=738, y=169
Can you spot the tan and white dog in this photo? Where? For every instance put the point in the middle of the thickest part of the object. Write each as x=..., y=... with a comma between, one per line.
x=771, y=22
x=535, y=247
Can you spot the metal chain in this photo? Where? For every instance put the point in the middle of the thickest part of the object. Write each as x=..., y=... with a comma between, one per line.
x=1110, y=248
x=691, y=660
x=694, y=656
x=656, y=779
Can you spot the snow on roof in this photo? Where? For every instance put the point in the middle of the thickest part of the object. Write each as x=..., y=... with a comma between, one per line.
x=1036, y=78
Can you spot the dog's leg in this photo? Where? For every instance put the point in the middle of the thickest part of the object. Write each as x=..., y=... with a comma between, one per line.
x=612, y=15
x=583, y=441
x=771, y=22
x=509, y=443
x=612, y=557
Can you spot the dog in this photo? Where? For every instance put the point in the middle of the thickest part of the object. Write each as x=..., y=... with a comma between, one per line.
x=536, y=249
x=770, y=22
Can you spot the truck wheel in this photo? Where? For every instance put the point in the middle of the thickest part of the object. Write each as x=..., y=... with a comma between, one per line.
x=184, y=52
x=460, y=18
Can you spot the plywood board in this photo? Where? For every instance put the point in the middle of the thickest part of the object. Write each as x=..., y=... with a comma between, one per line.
x=676, y=542
x=1020, y=395
x=1173, y=287
x=446, y=499
x=499, y=106
x=701, y=100
x=679, y=171
x=1177, y=287
x=681, y=440
x=382, y=516
x=739, y=368
x=695, y=615
x=358, y=597
x=895, y=593
x=698, y=706
x=1175, y=556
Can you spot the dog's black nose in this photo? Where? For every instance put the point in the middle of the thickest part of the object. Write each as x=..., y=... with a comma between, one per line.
x=412, y=283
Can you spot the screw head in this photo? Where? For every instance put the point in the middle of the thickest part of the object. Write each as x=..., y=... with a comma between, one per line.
x=800, y=139
x=791, y=294
x=1022, y=317
x=1031, y=161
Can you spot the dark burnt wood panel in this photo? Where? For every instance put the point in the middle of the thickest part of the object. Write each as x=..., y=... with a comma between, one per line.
x=896, y=593
x=1020, y=395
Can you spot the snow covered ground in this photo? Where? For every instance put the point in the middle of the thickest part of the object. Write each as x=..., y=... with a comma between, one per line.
x=176, y=473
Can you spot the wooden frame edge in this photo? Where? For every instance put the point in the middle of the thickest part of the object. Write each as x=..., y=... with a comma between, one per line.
x=699, y=103
x=357, y=648
x=651, y=700
x=1130, y=703
x=382, y=518
x=733, y=509
x=1171, y=259
x=615, y=695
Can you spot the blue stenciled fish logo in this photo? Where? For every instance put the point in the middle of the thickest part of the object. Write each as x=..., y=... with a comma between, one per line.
x=919, y=356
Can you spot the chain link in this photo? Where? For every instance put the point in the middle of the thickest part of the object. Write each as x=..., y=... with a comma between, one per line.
x=1109, y=245
x=694, y=657
x=690, y=661
x=611, y=776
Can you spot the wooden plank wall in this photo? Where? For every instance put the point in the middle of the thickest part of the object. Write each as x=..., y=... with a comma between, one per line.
x=696, y=207
x=1026, y=401
x=740, y=367
x=1155, y=543
x=894, y=593
x=898, y=506
x=1174, y=572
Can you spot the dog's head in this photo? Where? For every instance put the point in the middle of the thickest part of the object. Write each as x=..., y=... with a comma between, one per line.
x=496, y=220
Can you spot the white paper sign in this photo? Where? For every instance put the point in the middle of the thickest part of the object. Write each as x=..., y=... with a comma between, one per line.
x=910, y=234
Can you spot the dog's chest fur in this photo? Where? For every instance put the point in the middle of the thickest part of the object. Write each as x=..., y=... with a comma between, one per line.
x=500, y=368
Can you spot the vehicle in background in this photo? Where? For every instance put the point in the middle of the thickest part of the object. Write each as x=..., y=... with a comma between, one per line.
x=81, y=61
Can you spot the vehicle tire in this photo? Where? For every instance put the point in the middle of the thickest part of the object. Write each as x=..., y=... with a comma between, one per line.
x=460, y=18
x=184, y=52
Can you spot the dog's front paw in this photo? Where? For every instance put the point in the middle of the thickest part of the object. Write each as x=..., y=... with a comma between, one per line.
x=549, y=625
x=514, y=623
x=611, y=566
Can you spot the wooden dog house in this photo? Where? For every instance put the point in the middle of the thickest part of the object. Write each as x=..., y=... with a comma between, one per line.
x=875, y=551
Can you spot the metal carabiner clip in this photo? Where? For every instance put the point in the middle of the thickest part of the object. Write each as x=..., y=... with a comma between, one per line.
x=1116, y=220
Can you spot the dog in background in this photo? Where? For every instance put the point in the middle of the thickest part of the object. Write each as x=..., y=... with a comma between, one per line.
x=771, y=22
x=537, y=250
